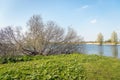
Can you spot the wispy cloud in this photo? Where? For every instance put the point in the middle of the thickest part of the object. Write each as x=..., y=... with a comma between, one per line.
x=93, y=21
x=84, y=7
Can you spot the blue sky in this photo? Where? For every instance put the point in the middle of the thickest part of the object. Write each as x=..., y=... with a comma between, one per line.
x=87, y=17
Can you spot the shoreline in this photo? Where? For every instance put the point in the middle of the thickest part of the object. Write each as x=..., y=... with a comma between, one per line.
x=103, y=43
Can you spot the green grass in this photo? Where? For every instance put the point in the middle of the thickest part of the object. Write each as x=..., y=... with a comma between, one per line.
x=61, y=67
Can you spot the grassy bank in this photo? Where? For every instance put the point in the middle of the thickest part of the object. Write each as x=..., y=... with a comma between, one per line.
x=61, y=67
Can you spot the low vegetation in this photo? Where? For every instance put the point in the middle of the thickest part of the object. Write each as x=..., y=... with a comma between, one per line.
x=60, y=67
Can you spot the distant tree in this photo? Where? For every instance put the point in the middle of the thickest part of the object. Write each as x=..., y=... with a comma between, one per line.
x=100, y=38
x=114, y=38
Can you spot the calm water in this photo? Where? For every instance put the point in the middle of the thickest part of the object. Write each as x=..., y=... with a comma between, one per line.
x=105, y=50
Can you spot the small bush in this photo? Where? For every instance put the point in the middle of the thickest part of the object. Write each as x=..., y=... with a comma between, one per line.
x=3, y=60
x=15, y=59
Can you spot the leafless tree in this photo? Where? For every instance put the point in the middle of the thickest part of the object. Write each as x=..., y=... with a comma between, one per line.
x=41, y=39
x=35, y=36
x=50, y=38
x=7, y=44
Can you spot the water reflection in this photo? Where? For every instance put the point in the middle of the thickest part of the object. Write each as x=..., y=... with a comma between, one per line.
x=101, y=50
x=105, y=50
x=114, y=51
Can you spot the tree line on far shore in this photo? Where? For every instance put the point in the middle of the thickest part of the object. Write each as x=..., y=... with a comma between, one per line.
x=113, y=39
x=39, y=39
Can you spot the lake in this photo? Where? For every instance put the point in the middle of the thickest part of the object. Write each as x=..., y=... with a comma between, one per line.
x=105, y=50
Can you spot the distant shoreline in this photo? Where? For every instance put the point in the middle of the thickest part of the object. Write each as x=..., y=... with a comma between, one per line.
x=103, y=43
